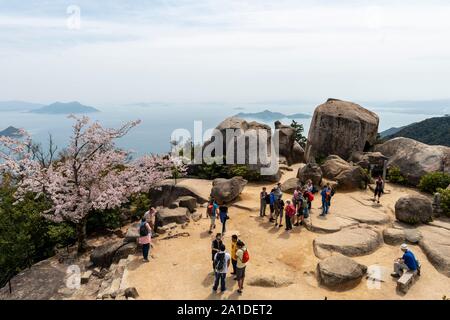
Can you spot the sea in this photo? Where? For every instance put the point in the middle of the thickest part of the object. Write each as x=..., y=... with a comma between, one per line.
x=159, y=120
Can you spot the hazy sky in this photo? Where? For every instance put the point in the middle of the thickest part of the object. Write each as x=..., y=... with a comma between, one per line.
x=225, y=51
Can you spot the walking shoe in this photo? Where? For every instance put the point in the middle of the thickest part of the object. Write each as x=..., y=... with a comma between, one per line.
x=395, y=275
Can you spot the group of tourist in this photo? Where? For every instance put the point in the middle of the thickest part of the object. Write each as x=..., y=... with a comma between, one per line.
x=221, y=261
x=295, y=210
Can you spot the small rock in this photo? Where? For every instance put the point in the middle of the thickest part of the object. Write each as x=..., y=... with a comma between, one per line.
x=131, y=293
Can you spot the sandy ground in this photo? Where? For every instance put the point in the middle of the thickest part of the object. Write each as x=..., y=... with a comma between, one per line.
x=181, y=268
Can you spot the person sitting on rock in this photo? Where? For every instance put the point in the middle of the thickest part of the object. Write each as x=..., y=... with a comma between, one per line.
x=407, y=262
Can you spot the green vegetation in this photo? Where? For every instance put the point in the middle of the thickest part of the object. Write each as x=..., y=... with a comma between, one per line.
x=431, y=182
x=215, y=170
x=299, y=137
x=430, y=131
x=395, y=176
x=445, y=201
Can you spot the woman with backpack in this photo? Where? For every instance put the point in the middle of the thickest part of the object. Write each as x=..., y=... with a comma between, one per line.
x=145, y=238
x=242, y=259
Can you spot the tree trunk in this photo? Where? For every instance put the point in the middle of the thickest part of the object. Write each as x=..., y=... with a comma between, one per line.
x=81, y=235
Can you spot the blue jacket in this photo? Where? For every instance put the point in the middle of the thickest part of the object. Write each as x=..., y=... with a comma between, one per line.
x=324, y=193
x=272, y=198
x=410, y=260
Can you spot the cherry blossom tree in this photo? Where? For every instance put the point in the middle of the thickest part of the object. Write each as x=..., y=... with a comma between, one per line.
x=91, y=174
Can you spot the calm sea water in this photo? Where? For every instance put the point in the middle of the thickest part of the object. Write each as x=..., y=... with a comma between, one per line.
x=159, y=121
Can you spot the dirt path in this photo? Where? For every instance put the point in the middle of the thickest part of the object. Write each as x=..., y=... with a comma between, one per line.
x=181, y=268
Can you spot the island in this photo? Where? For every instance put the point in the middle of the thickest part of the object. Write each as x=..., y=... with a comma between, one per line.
x=65, y=108
x=268, y=115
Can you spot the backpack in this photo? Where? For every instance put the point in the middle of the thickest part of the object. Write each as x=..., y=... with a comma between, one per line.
x=245, y=257
x=310, y=196
x=143, y=231
x=328, y=195
x=210, y=210
x=219, y=262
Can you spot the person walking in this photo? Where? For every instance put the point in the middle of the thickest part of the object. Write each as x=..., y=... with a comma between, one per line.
x=379, y=189
x=234, y=240
x=145, y=238
x=263, y=202
x=242, y=259
x=212, y=211
x=221, y=264
x=215, y=246
x=290, y=212
x=223, y=215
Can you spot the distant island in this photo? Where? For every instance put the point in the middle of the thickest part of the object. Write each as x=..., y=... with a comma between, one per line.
x=390, y=131
x=18, y=106
x=268, y=115
x=434, y=131
x=11, y=132
x=65, y=108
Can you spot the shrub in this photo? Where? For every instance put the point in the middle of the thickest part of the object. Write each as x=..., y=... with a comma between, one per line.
x=243, y=171
x=445, y=201
x=395, y=176
x=431, y=182
x=102, y=220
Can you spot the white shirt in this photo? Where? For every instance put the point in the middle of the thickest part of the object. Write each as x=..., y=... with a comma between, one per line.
x=226, y=261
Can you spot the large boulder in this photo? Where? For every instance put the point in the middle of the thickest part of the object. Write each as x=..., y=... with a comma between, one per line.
x=369, y=160
x=310, y=171
x=414, y=209
x=188, y=202
x=352, y=241
x=165, y=216
x=347, y=175
x=339, y=271
x=240, y=142
x=414, y=158
x=227, y=190
x=124, y=251
x=435, y=243
x=167, y=192
x=103, y=255
x=288, y=148
x=290, y=185
x=341, y=128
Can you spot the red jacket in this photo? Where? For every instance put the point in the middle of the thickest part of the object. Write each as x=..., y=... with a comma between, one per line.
x=290, y=211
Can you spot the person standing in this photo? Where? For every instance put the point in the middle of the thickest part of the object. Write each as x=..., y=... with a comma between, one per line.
x=212, y=211
x=234, y=240
x=150, y=217
x=290, y=212
x=221, y=264
x=263, y=202
x=223, y=215
x=378, y=189
x=272, y=204
x=280, y=205
x=299, y=208
x=242, y=259
x=215, y=246
x=278, y=194
x=326, y=197
x=145, y=238
x=310, y=189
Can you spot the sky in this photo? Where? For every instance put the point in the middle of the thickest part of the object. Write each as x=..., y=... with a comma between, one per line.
x=128, y=51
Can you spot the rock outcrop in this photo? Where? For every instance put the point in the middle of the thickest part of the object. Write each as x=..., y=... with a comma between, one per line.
x=369, y=160
x=414, y=158
x=167, y=192
x=341, y=128
x=436, y=245
x=270, y=281
x=394, y=236
x=290, y=184
x=347, y=175
x=227, y=190
x=339, y=271
x=414, y=209
x=353, y=241
x=165, y=216
x=288, y=147
x=310, y=171
x=108, y=253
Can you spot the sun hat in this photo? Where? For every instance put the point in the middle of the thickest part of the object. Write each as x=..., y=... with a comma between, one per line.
x=404, y=246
